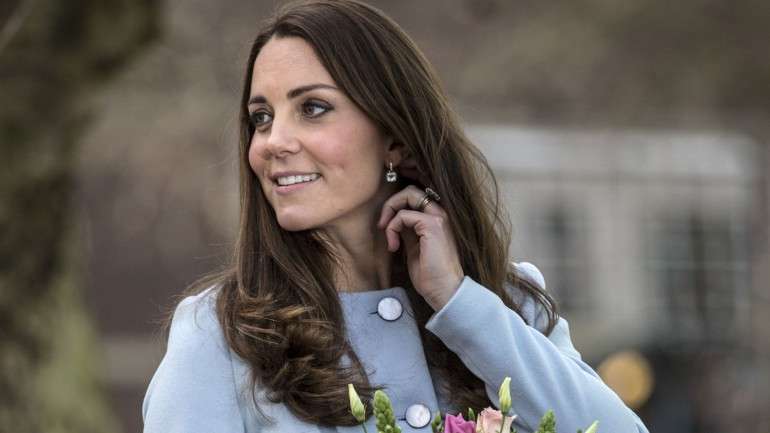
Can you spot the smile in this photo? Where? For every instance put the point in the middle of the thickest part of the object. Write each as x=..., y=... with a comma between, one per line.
x=290, y=184
x=291, y=180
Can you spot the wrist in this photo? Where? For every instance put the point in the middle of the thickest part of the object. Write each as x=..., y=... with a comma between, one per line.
x=438, y=302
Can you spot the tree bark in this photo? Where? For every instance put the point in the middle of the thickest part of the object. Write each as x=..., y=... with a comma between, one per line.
x=51, y=54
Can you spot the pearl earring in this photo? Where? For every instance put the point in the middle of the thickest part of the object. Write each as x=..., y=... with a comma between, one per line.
x=391, y=175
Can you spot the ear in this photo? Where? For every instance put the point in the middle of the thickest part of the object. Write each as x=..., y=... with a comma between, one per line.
x=403, y=162
x=395, y=152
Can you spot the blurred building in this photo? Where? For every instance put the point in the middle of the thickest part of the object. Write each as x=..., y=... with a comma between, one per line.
x=645, y=240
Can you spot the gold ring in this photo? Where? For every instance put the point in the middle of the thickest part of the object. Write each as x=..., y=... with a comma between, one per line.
x=430, y=196
x=424, y=203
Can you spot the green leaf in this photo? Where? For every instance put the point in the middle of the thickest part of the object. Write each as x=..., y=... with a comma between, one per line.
x=547, y=423
x=356, y=406
x=383, y=411
x=436, y=425
x=505, y=395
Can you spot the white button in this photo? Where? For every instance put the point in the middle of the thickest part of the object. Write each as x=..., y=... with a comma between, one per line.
x=389, y=308
x=531, y=272
x=418, y=415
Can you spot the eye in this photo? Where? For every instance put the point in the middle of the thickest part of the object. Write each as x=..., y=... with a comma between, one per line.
x=314, y=109
x=259, y=118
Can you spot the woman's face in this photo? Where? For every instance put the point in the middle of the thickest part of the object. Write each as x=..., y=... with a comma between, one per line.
x=319, y=159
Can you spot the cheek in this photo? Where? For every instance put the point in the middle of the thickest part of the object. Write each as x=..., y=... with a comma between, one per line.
x=255, y=160
x=257, y=165
x=334, y=148
x=360, y=177
x=357, y=150
x=356, y=168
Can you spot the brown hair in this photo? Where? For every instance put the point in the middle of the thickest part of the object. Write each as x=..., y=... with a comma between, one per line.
x=277, y=304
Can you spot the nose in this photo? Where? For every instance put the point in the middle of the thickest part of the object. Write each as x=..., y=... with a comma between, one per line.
x=281, y=140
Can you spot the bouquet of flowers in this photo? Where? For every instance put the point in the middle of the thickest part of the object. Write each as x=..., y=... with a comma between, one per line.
x=488, y=421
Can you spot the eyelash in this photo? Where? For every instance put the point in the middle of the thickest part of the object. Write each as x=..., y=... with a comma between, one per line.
x=256, y=124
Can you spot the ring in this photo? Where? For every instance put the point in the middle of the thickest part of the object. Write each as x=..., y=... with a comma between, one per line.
x=432, y=194
x=429, y=196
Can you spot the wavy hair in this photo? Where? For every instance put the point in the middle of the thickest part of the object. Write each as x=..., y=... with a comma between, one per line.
x=277, y=302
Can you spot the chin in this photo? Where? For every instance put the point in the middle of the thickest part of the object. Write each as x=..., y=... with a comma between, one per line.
x=293, y=223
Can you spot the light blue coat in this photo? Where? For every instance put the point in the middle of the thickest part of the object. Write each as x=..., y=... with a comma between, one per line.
x=202, y=386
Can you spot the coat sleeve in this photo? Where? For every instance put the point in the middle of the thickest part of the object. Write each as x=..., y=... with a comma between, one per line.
x=193, y=389
x=546, y=373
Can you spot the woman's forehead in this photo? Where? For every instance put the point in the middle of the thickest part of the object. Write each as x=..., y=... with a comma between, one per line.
x=287, y=62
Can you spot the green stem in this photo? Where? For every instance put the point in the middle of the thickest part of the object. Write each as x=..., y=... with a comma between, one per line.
x=363, y=424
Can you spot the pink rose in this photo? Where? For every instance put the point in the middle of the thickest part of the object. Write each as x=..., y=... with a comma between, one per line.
x=456, y=424
x=490, y=421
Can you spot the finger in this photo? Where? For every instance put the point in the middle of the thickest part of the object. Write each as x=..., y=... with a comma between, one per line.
x=396, y=202
x=409, y=197
x=396, y=226
x=411, y=243
x=404, y=219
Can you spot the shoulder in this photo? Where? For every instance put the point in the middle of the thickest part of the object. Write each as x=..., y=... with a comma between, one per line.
x=534, y=312
x=195, y=329
x=195, y=337
x=195, y=323
x=193, y=387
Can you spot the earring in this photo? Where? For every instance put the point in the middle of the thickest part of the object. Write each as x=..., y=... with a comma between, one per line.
x=391, y=175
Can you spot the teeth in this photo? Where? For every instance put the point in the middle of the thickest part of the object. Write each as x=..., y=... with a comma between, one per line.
x=291, y=180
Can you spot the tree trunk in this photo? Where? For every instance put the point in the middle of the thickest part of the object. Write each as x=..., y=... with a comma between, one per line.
x=51, y=53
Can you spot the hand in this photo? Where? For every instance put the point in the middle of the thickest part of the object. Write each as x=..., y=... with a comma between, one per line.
x=431, y=252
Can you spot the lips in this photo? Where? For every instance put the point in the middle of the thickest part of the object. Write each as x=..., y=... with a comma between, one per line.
x=285, y=174
x=291, y=180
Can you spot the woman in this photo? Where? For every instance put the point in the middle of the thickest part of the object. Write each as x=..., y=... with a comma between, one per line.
x=372, y=251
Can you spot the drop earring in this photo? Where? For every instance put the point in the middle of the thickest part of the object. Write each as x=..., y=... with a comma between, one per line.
x=391, y=175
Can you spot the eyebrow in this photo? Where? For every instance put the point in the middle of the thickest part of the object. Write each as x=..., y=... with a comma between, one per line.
x=293, y=93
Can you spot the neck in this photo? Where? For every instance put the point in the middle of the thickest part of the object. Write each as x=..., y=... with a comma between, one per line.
x=365, y=262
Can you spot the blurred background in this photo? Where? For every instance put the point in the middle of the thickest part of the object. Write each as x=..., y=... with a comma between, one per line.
x=631, y=140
